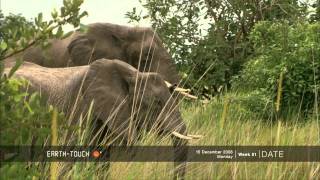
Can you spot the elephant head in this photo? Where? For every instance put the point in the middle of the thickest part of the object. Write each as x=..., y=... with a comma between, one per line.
x=142, y=97
x=140, y=47
x=128, y=101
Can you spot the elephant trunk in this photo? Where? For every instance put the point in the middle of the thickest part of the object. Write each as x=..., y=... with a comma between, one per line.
x=180, y=153
x=180, y=140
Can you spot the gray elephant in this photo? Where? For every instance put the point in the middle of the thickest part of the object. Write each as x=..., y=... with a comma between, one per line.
x=140, y=47
x=124, y=100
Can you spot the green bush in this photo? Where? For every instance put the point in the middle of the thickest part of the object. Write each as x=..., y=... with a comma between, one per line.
x=22, y=115
x=291, y=49
x=208, y=40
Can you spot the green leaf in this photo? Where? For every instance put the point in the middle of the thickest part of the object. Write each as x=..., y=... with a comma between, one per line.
x=3, y=45
x=15, y=67
x=54, y=14
x=28, y=107
x=59, y=32
x=83, y=28
x=62, y=11
x=66, y=3
x=85, y=13
x=1, y=70
x=40, y=16
x=67, y=34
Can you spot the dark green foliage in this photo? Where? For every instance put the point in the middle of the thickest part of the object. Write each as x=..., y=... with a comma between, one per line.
x=213, y=57
x=13, y=27
x=222, y=46
x=291, y=49
x=23, y=116
x=315, y=16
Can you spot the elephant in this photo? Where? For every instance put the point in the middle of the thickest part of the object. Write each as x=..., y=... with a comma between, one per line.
x=140, y=47
x=120, y=107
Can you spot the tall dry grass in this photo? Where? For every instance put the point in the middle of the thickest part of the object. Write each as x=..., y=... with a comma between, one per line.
x=220, y=124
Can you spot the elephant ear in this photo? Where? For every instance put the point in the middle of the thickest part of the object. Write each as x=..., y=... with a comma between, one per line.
x=80, y=50
x=128, y=73
x=108, y=82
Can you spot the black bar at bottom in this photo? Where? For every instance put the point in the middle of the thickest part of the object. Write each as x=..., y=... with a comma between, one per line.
x=159, y=153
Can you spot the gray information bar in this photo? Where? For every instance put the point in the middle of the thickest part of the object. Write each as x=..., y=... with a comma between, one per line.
x=161, y=153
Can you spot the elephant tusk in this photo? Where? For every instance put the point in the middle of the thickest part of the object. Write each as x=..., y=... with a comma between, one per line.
x=182, y=91
x=179, y=89
x=181, y=136
x=189, y=95
x=168, y=84
x=195, y=136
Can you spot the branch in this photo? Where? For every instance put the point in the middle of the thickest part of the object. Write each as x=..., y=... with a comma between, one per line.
x=33, y=42
x=20, y=50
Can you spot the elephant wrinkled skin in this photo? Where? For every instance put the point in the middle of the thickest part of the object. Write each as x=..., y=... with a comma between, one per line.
x=117, y=90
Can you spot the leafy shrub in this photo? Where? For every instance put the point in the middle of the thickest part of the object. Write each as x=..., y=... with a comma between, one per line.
x=209, y=39
x=22, y=115
x=23, y=118
x=293, y=50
